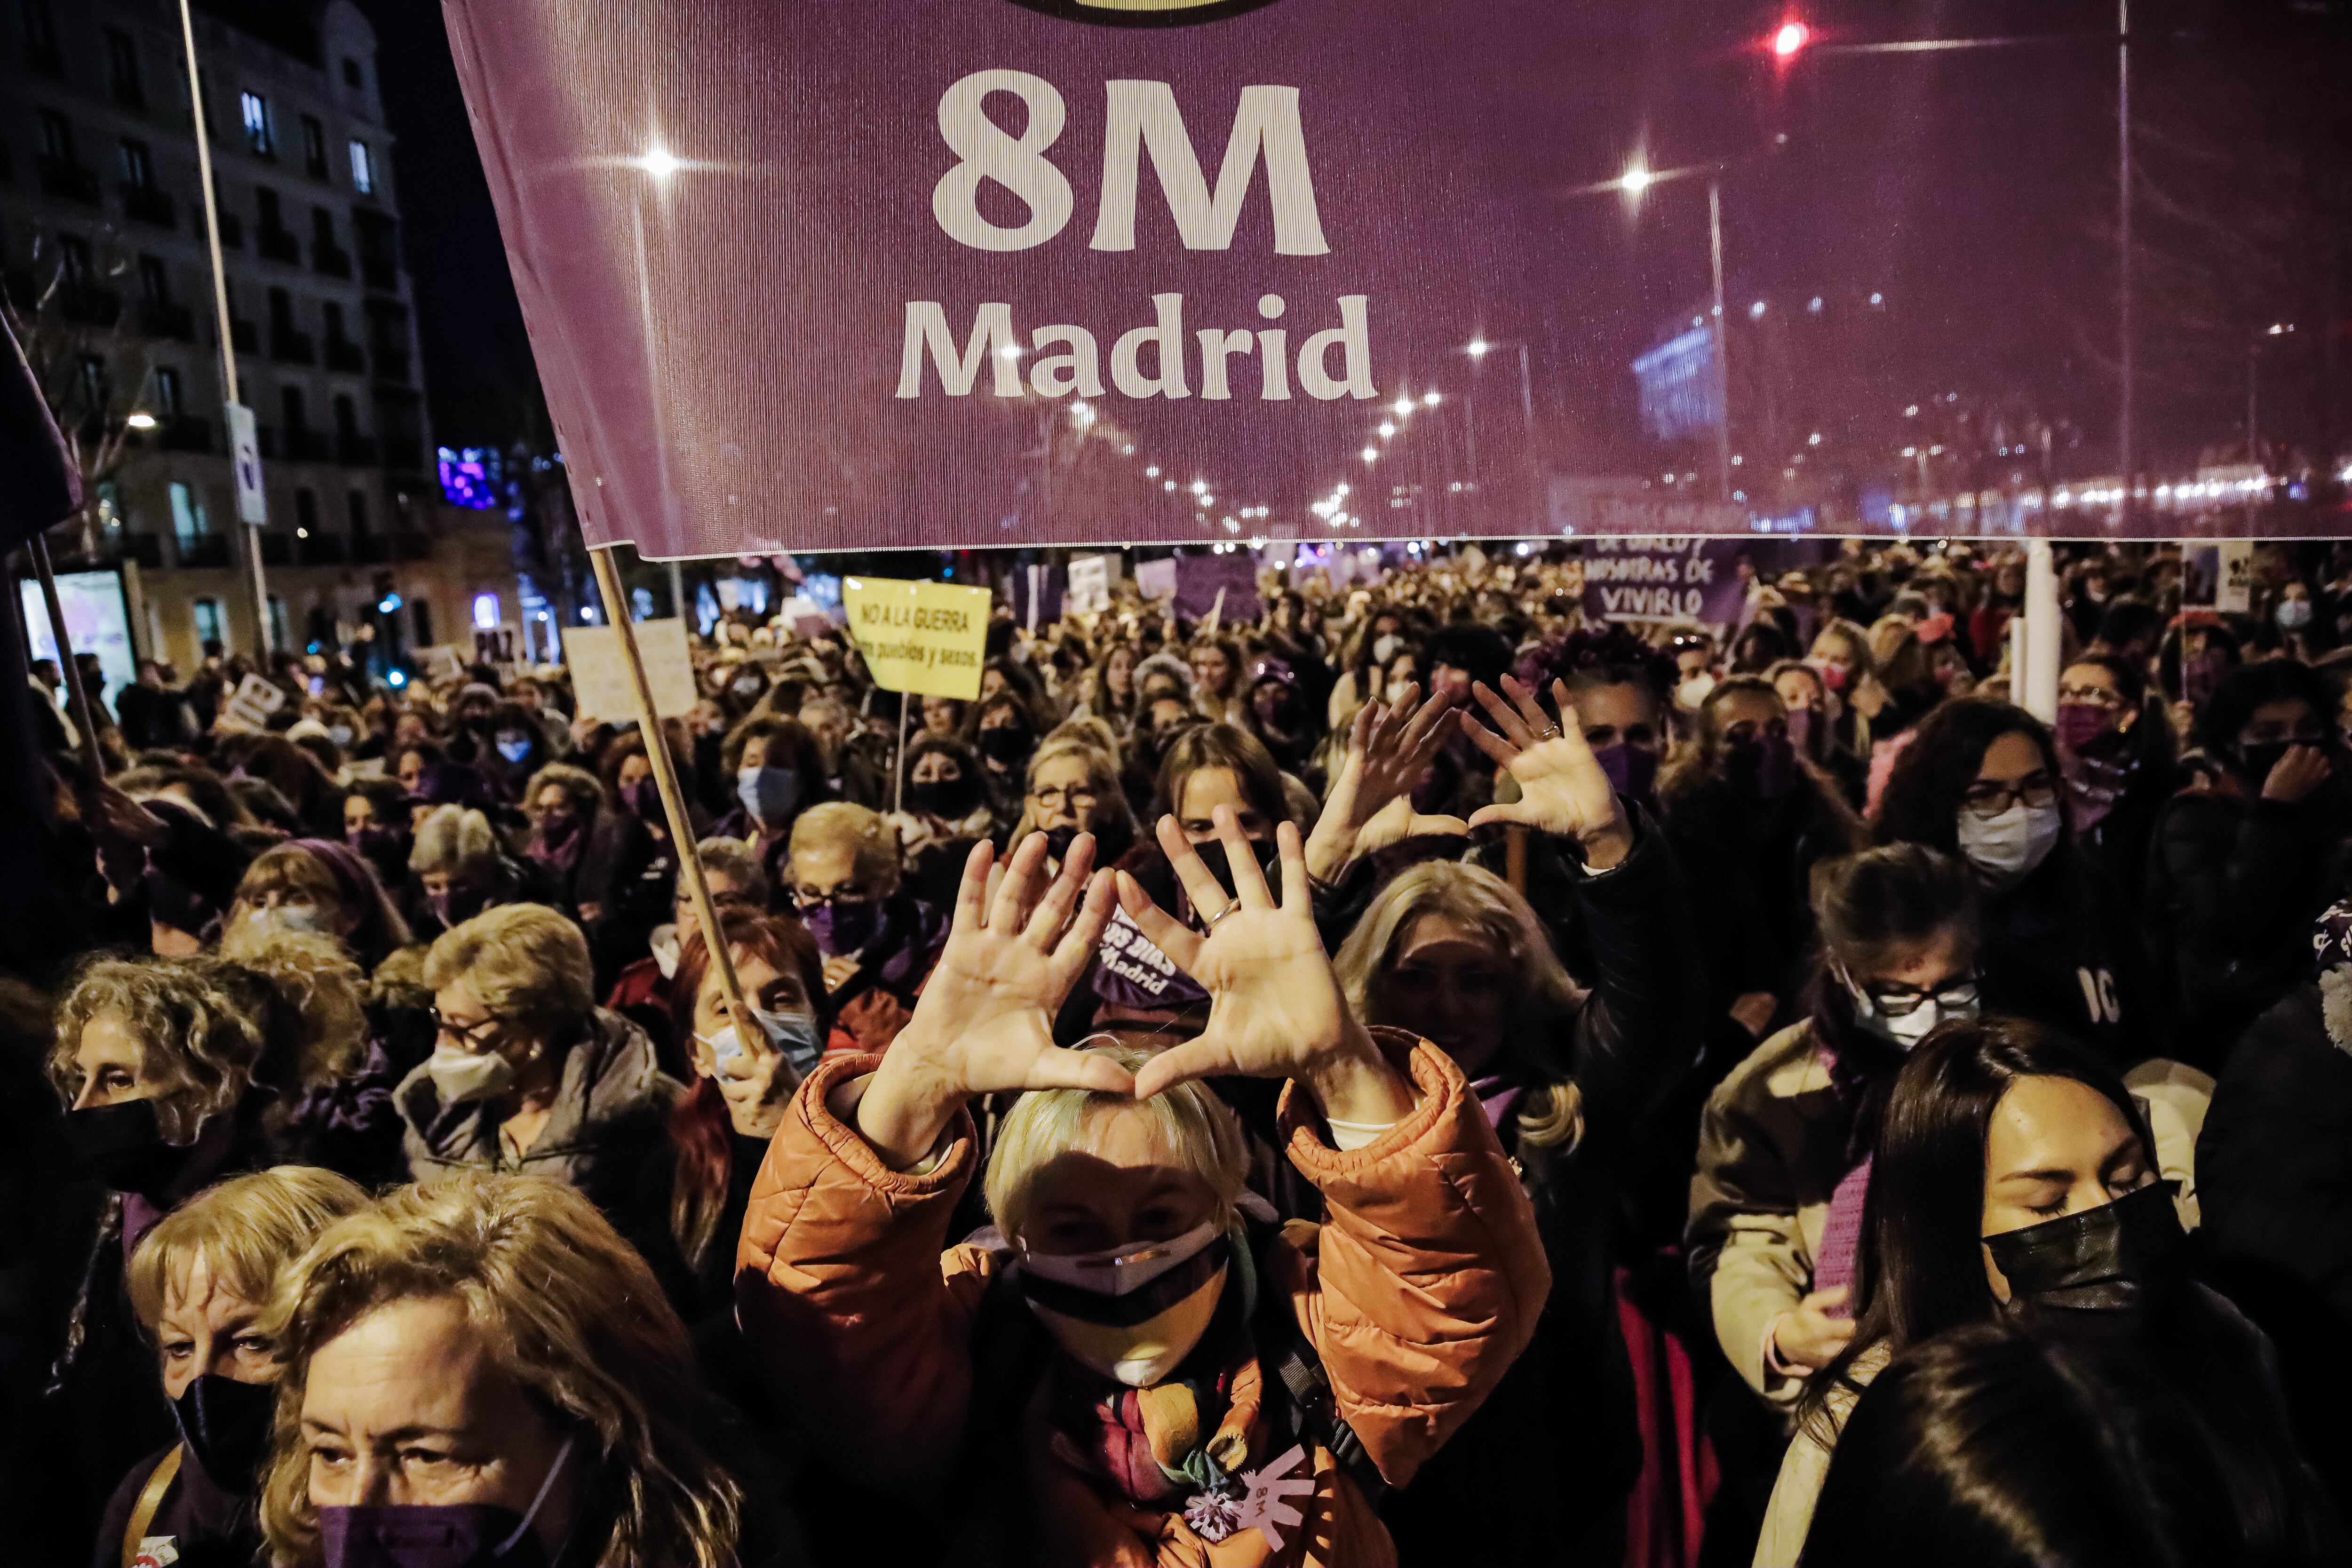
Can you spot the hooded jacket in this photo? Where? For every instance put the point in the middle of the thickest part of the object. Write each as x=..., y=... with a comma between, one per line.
x=612, y=1107
x=1422, y=1285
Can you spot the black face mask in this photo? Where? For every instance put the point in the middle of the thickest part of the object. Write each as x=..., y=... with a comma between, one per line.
x=2256, y=763
x=945, y=798
x=1267, y=854
x=1005, y=745
x=1111, y=841
x=122, y=1145
x=2102, y=1260
x=225, y=1424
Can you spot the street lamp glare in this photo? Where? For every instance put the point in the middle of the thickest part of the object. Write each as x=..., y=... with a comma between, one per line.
x=660, y=162
x=1636, y=180
x=1431, y=399
x=1372, y=455
x=1791, y=37
x=141, y=420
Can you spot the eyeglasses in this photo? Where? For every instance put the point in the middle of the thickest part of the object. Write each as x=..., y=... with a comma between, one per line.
x=807, y=898
x=1901, y=1002
x=470, y=1034
x=1988, y=798
x=2093, y=696
x=1080, y=799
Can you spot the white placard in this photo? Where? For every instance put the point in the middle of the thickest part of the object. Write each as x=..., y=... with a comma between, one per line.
x=255, y=702
x=1089, y=585
x=600, y=671
x=245, y=466
x=1156, y=579
x=2234, y=595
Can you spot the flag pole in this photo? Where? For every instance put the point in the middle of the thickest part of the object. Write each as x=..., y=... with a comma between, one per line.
x=67, y=665
x=673, y=799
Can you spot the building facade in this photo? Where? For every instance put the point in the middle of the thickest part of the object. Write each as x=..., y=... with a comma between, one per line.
x=104, y=256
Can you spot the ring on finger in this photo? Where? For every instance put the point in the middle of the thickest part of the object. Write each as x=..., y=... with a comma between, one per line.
x=1549, y=732
x=1232, y=908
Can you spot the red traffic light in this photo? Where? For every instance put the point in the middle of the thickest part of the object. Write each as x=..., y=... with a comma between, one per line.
x=1793, y=36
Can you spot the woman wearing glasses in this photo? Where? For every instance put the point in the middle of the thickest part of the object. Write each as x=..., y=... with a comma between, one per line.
x=878, y=938
x=528, y=1074
x=1982, y=780
x=1074, y=789
x=1776, y=1205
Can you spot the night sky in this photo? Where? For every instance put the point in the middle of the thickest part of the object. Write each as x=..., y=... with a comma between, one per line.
x=1974, y=190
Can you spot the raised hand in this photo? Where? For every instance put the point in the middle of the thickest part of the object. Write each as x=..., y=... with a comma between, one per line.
x=1274, y=1006
x=984, y=1022
x=1368, y=808
x=1562, y=789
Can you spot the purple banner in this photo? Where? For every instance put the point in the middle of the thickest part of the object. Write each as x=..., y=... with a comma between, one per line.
x=1666, y=579
x=1201, y=579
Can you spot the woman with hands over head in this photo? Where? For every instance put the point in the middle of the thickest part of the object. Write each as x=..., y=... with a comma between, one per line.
x=1110, y=1382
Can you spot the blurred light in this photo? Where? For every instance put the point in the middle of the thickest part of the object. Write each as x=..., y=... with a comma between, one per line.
x=1636, y=179
x=486, y=611
x=387, y=605
x=1152, y=472
x=1814, y=440
x=659, y=162
x=1478, y=348
x=1910, y=451
x=145, y=421
x=1428, y=399
x=1878, y=299
x=1755, y=311
x=1010, y=351
x=1911, y=412
x=2276, y=329
x=397, y=678
x=1403, y=406
x=588, y=614
x=1371, y=454
x=1168, y=484
x=1791, y=37
x=1341, y=489
x=1386, y=429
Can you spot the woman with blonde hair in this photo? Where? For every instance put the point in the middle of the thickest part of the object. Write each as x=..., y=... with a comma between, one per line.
x=200, y=1284
x=322, y=885
x=1450, y=952
x=481, y=1363
x=1074, y=788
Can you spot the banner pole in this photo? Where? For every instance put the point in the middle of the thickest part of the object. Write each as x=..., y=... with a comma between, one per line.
x=67, y=663
x=673, y=799
x=898, y=766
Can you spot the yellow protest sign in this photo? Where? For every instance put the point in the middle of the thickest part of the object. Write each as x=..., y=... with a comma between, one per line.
x=923, y=637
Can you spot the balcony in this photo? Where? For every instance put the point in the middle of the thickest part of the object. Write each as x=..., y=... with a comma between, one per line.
x=69, y=181
x=163, y=318
x=279, y=245
x=330, y=259
x=200, y=551
x=145, y=204
x=185, y=434
x=288, y=347
x=319, y=550
x=87, y=305
x=346, y=355
x=244, y=335
x=147, y=548
x=354, y=451
x=305, y=446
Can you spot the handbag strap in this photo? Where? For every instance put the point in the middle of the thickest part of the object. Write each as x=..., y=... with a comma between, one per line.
x=151, y=1499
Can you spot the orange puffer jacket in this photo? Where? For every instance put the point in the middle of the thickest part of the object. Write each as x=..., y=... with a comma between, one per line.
x=1421, y=1287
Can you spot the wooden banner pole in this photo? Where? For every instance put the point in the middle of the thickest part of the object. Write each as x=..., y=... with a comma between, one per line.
x=67, y=665
x=673, y=799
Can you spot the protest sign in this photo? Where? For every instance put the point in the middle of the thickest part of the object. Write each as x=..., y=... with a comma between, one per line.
x=1156, y=579
x=1227, y=584
x=922, y=637
x=2234, y=595
x=1668, y=579
x=250, y=708
x=600, y=670
x=1090, y=580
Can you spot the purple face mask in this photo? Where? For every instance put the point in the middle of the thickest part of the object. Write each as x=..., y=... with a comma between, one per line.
x=448, y=1535
x=844, y=926
x=1631, y=770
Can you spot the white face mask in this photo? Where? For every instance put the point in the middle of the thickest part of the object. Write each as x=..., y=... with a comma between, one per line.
x=663, y=943
x=793, y=1034
x=1908, y=1030
x=1694, y=690
x=1132, y=1312
x=1384, y=648
x=2006, y=848
x=298, y=917
x=461, y=1076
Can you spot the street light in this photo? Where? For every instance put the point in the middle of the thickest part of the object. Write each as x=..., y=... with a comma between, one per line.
x=1791, y=37
x=141, y=420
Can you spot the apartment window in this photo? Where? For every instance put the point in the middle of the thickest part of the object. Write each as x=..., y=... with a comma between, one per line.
x=314, y=147
x=281, y=311
x=90, y=383
x=363, y=169
x=347, y=417
x=289, y=399
x=212, y=627
x=57, y=136
x=41, y=37
x=322, y=228
x=122, y=69
x=334, y=314
x=306, y=513
x=352, y=76
x=154, y=280
x=273, y=215
x=255, y=111
x=73, y=260
x=169, y=401
x=138, y=165
x=423, y=614
x=355, y=505
x=188, y=520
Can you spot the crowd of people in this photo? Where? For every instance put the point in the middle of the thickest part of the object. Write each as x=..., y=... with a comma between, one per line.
x=1416, y=1075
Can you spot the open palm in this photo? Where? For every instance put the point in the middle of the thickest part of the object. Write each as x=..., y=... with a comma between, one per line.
x=984, y=1023
x=1562, y=788
x=1368, y=808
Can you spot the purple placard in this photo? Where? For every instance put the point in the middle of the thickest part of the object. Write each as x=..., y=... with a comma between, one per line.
x=1200, y=578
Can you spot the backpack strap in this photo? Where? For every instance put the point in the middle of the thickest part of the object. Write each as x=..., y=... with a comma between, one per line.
x=1283, y=1344
x=151, y=1500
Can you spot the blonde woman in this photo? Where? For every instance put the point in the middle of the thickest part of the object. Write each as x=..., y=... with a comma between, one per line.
x=200, y=1284
x=1449, y=952
x=527, y=1072
x=482, y=1362
x=1074, y=788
